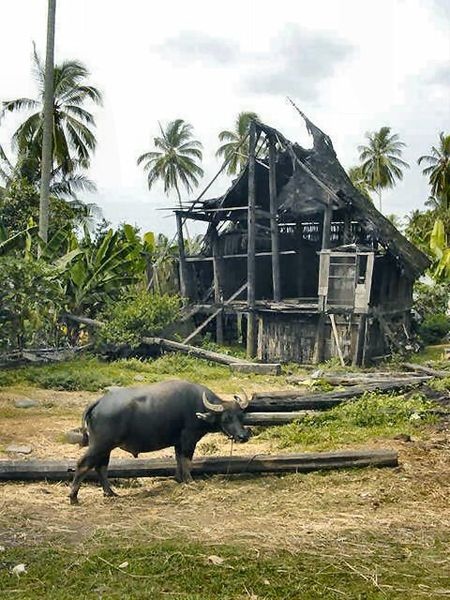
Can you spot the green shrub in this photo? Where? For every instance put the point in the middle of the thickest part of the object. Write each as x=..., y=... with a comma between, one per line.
x=434, y=328
x=137, y=315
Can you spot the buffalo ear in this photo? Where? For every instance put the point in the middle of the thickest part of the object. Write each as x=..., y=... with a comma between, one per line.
x=208, y=417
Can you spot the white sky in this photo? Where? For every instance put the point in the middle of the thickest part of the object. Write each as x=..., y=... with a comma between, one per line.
x=351, y=65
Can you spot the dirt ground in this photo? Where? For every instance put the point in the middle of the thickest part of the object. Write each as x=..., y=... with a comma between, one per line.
x=319, y=511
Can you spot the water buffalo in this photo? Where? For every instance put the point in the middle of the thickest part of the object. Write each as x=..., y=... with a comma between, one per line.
x=143, y=419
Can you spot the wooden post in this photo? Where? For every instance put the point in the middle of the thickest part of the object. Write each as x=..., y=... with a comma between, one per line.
x=326, y=229
x=217, y=284
x=347, y=234
x=184, y=275
x=276, y=283
x=360, y=341
x=251, y=245
x=320, y=334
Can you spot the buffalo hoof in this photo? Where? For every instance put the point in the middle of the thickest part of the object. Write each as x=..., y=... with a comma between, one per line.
x=74, y=501
x=110, y=494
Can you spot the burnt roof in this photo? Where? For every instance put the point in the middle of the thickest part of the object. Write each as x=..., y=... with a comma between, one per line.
x=307, y=179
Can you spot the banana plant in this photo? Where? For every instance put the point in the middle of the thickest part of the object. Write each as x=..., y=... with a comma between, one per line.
x=439, y=248
x=19, y=241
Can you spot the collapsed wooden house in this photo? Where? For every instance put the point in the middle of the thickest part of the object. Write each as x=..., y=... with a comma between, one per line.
x=297, y=261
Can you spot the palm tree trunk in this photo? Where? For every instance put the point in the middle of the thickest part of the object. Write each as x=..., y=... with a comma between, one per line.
x=47, y=133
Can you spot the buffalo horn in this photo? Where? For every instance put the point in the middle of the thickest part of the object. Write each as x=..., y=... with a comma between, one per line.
x=210, y=406
x=243, y=402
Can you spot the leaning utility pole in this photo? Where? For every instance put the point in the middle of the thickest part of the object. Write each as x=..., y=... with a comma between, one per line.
x=47, y=124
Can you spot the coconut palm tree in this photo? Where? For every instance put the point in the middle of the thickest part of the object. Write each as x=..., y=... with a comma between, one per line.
x=175, y=159
x=381, y=160
x=359, y=181
x=62, y=185
x=73, y=140
x=235, y=149
x=47, y=121
x=438, y=172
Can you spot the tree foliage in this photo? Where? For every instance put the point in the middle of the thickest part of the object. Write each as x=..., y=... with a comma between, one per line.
x=176, y=159
x=381, y=161
x=234, y=150
x=438, y=172
x=73, y=138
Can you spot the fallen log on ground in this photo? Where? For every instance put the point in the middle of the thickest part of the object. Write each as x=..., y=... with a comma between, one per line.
x=356, y=378
x=427, y=370
x=237, y=364
x=293, y=400
x=275, y=418
x=33, y=470
x=225, y=359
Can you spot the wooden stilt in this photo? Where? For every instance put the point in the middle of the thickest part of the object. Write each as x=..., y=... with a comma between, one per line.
x=217, y=285
x=360, y=341
x=251, y=246
x=276, y=281
x=319, y=350
x=184, y=274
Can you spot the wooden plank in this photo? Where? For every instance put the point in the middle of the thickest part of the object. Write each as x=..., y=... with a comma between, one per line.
x=275, y=418
x=368, y=378
x=251, y=245
x=290, y=400
x=199, y=258
x=426, y=370
x=360, y=340
x=215, y=313
x=35, y=470
x=274, y=233
x=336, y=339
x=261, y=368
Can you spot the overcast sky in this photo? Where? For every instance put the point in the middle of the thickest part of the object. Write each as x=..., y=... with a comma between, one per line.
x=351, y=65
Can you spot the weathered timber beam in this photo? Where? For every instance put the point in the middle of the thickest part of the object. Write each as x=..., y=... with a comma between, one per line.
x=217, y=277
x=184, y=273
x=293, y=400
x=251, y=244
x=274, y=233
x=427, y=370
x=34, y=470
x=261, y=368
x=369, y=378
x=275, y=418
x=192, y=350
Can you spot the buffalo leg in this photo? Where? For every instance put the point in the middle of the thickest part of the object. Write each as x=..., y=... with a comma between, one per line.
x=87, y=462
x=102, y=472
x=184, y=454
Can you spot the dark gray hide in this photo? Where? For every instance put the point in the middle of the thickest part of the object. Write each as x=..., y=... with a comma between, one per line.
x=143, y=419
